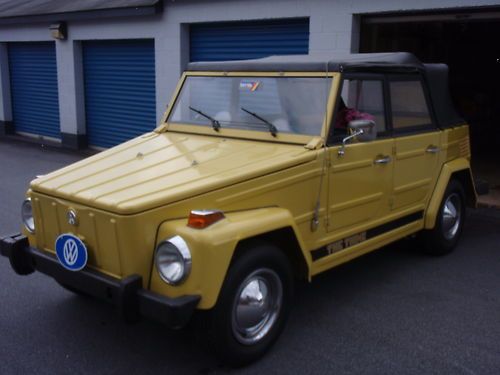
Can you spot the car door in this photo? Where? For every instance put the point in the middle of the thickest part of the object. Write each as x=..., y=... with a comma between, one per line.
x=417, y=143
x=360, y=178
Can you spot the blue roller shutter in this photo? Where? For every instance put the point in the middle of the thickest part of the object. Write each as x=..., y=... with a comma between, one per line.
x=34, y=92
x=119, y=90
x=248, y=40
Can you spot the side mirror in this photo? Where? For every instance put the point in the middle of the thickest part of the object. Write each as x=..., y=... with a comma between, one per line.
x=368, y=126
x=362, y=130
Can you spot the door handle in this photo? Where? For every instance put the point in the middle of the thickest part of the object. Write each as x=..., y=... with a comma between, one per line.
x=431, y=149
x=382, y=160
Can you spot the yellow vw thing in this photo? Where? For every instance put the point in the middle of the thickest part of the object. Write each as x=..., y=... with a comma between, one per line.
x=261, y=173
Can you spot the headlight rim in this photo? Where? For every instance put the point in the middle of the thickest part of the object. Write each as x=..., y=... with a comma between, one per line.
x=185, y=254
x=23, y=216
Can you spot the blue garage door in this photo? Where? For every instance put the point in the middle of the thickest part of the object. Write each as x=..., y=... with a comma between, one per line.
x=119, y=90
x=248, y=40
x=33, y=81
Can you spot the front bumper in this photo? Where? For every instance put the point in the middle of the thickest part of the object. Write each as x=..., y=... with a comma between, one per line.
x=127, y=294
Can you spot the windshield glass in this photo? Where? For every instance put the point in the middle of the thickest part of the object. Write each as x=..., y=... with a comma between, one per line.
x=293, y=105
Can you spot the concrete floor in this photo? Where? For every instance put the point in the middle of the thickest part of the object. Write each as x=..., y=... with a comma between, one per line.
x=394, y=311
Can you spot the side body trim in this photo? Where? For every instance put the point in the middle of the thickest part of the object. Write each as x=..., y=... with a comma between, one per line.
x=350, y=241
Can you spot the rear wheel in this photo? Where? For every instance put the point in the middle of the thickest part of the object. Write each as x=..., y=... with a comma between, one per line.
x=443, y=238
x=252, y=308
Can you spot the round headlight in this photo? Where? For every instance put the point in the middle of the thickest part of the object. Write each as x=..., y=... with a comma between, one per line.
x=27, y=215
x=173, y=260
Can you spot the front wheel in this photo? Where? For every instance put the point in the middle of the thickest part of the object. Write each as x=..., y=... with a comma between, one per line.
x=443, y=238
x=252, y=308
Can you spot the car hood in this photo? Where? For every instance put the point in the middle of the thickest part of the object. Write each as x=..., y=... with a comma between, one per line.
x=157, y=169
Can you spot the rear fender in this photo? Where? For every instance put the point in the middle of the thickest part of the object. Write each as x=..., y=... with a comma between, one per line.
x=460, y=169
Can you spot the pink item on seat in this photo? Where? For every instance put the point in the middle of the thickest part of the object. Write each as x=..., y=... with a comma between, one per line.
x=346, y=115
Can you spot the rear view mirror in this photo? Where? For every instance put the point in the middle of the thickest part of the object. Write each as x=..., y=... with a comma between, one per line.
x=361, y=130
x=368, y=126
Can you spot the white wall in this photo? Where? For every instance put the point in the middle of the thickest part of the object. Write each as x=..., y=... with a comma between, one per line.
x=332, y=29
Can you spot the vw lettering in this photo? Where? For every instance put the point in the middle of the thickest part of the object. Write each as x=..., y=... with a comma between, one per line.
x=72, y=218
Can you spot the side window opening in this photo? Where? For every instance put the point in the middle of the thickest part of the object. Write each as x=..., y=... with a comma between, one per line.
x=409, y=107
x=360, y=99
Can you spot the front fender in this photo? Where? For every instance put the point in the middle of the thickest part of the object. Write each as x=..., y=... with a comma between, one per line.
x=212, y=249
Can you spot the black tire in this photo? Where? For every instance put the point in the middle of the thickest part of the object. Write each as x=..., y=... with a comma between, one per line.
x=218, y=328
x=443, y=238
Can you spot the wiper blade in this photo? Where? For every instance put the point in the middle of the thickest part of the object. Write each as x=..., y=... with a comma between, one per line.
x=215, y=123
x=272, y=128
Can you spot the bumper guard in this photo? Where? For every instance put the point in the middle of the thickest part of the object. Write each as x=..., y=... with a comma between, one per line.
x=127, y=294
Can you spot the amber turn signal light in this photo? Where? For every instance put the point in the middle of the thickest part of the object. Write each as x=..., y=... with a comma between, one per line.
x=202, y=219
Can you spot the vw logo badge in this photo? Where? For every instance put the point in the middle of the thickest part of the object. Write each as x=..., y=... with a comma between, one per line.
x=72, y=218
x=71, y=252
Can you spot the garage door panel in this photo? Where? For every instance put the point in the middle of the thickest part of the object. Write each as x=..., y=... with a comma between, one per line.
x=119, y=90
x=248, y=40
x=34, y=90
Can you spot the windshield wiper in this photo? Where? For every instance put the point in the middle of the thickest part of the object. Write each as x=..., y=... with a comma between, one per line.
x=215, y=123
x=272, y=128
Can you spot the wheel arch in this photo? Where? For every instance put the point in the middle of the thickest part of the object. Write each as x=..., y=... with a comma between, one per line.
x=286, y=240
x=465, y=178
x=460, y=170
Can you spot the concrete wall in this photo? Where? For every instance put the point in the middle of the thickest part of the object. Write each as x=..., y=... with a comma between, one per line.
x=333, y=28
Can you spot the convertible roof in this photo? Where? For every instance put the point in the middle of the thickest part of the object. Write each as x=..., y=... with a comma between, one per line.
x=437, y=80
x=312, y=63
x=436, y=75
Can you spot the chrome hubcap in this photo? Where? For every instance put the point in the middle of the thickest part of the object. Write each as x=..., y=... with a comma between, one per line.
x=257, y=306
x=451, y=216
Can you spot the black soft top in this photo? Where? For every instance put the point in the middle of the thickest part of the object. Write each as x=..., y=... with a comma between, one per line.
x=436, y=75
x=312, y=63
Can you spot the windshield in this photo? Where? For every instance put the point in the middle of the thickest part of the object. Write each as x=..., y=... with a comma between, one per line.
x=293, y=105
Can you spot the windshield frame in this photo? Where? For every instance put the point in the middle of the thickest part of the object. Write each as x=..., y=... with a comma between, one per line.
x=252, y=134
